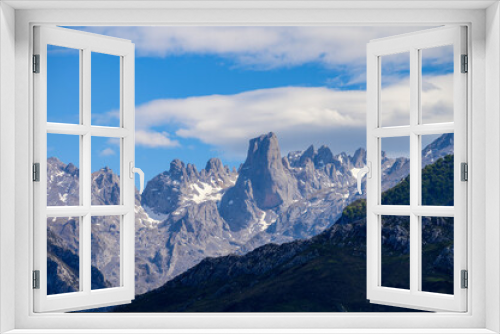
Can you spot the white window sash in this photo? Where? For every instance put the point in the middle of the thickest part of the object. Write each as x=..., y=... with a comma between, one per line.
x=414, y=297
x=85, y=298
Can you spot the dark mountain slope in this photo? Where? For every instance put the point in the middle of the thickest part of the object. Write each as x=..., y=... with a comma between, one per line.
x=302, y=276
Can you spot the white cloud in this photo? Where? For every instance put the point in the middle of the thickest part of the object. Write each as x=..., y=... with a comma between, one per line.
x=107, y=152
x=436, y=101
x=110, y=118
x=227, y=122
x=114, y=141
x=154, y=139
x=148, y=138
x=263, y=47
x=298, y=115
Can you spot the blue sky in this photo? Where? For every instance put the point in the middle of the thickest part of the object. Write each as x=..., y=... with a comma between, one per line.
x=203, y=92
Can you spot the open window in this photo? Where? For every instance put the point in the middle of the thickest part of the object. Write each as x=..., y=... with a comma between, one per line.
x=78, y=219
x=400, y=115
x=482, y=242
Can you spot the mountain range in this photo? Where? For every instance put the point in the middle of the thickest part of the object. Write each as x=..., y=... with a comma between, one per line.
x=185, y=216
x=326, y=273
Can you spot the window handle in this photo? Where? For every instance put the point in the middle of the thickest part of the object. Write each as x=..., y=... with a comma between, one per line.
x=365, y=170
x=139, y=171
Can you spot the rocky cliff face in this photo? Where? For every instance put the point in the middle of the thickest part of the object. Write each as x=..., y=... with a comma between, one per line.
x=442, y=146
x=105, y=187
x=186, y=215
x=63, y=187
x=183, y=185
x=264, y=183
x=63, y=264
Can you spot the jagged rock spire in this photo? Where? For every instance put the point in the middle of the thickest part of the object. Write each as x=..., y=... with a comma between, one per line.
x=263, y=180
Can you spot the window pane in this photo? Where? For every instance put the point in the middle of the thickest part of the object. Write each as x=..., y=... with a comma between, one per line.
x=396, y=252
x=63, y=260
x=437, y=84
x=395, y=90
x=105, y=171
x=437, y=254
x=63, y=184
x=395, y=169
x=437, y=170
x=105, y=89
x=63, y=85
x=105, y=252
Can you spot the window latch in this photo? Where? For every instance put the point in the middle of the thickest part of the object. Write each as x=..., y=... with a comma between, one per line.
x=132, y=171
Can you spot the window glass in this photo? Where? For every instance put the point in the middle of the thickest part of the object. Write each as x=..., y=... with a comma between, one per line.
x=105, y=177
x=395, y=252
x=63, y=257
x=395, y=90
x=63, y=172
x=437, y=254
x=106, y=81
x=437, y=84
x=395, y=170
x=106, y=249
x=63, y=85
x=438, y=170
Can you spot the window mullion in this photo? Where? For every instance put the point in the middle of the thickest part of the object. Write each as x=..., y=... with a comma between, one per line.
x=108, y=210
x=85, y=173
x=415, y=268
x=406, y=210
x=81, y=277
x=422, y=129
x=434, y=129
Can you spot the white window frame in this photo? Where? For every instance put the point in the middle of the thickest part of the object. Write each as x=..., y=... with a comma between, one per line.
x=413, y=43
x=85, y=43
x=483, y=308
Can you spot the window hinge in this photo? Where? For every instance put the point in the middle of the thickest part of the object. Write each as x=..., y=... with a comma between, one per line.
x=36, y=279
x=36, y=63
x=36, y=172
x=464, y=171
x=465, y=279
x=465, y=64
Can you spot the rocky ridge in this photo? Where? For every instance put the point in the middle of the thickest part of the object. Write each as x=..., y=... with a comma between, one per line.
x=186, y=215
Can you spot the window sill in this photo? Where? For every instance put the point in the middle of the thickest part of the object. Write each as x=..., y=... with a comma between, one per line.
x=253, y=331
